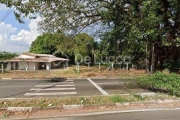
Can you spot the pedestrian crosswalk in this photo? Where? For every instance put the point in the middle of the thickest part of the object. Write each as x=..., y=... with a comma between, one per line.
x=63, y=88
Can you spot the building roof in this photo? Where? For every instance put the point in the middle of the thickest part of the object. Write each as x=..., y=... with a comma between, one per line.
x=38, y=55
x=31, y=57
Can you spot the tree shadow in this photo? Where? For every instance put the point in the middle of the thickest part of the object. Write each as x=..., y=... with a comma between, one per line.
x=57, y=79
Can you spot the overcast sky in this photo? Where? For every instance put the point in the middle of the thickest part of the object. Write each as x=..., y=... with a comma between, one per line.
x=16, y=37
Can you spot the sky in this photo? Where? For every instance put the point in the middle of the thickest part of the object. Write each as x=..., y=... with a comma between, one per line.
x=16, y=37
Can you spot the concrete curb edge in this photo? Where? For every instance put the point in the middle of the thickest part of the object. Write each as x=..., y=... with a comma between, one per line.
x=76, y=106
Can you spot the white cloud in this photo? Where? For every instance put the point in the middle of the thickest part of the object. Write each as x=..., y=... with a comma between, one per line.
x=25, y=38
x=7, y=29
x=19, y=42
x=1, y=38
x=21, y=39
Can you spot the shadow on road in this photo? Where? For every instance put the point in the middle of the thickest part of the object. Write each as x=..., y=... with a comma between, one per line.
x=57, y=79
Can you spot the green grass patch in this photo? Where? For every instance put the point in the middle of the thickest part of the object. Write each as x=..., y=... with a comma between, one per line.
x=162, y=82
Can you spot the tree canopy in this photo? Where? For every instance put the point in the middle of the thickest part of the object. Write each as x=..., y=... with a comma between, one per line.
x=59, y=44
x=4, y=56
x=133, y=27
x=47, y=43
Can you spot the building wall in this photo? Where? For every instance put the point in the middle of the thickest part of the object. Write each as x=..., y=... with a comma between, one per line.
x=33, y=66
x=48, y=66
x=8, y=66
x=22, y=65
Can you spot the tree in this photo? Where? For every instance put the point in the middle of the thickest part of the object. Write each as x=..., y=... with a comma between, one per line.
x=82, y=44
x=7, y=55
x=152, y=23
x=46, y=43
x=4, y=56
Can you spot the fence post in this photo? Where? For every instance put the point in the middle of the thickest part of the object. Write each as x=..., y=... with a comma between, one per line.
x=112, y=66
x=99, y=66
x=2, y=68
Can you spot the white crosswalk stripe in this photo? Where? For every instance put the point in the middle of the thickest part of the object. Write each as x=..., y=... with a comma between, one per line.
x=41, y=89
x=54, y=85
x=53, y=89
x=49, y=94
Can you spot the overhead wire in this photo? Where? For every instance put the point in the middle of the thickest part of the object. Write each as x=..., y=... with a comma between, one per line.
x=7, y=14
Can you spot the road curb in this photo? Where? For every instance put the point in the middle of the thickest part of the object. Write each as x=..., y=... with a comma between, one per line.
x=6, y=78
x=70, y=107
x=80, y=106
x=19, y=109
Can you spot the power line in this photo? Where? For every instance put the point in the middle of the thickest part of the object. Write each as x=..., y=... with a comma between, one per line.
x=7, y=14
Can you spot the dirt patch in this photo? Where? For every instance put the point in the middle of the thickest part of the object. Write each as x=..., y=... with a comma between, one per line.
x=72, y=73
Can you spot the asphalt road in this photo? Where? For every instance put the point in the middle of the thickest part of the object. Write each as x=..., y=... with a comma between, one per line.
x=120, y=115
x=64, y=87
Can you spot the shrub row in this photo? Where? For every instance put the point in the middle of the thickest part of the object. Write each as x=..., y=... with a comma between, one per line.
x=163, y=82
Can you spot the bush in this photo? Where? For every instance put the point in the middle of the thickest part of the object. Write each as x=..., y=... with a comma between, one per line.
x=163, y=82
x=173, y=66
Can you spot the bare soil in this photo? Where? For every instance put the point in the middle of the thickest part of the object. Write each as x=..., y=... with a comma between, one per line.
x=71, y=72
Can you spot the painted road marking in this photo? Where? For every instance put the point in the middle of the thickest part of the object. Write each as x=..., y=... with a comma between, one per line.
x=107, y=83
x=51, y=89
x=55, y=89
x=99, y=88
x=50, y=94
x=54, y=85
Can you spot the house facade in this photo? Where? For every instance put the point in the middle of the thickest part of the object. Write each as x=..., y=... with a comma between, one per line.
x=31, y=61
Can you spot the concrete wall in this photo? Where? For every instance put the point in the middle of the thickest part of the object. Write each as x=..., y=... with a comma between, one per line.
x=8, y=68
x=33, y=66
x=48, y=66
x=28, y=66
x=22, y=65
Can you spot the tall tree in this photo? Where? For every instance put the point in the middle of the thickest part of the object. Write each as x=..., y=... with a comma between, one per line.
x=82, y=44
x=46, y=43
x=153, y=23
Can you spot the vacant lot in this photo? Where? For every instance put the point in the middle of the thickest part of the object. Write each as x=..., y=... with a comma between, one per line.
x=71, y=72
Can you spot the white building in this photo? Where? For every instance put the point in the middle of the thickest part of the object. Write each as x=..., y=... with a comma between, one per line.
x=31, y=61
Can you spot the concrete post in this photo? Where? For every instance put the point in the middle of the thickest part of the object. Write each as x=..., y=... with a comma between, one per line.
x=2, y=68
x=99, y=66
x=112, y=66
x=78, y=67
